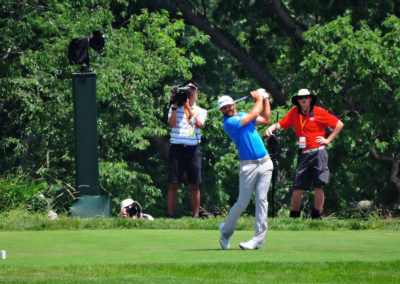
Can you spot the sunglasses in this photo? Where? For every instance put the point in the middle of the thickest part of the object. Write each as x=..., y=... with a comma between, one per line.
x=304, y=97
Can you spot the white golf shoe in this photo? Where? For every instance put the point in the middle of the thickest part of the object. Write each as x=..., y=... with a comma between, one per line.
x=224, y=242
x=250, y=245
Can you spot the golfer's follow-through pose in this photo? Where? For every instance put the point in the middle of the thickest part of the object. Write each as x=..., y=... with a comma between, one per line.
x=309, y=122
x=255, y=166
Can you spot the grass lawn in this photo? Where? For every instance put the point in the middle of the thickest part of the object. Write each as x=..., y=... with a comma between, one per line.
x=192, y=256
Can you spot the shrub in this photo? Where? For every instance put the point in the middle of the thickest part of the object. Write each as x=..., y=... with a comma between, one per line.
x=16, y=192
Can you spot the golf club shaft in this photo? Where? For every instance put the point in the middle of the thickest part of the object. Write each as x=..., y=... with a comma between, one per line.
x=238, y=100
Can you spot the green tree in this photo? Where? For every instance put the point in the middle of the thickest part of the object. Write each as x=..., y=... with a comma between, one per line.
x=348, y=56
x=267, y=39
x=137, y=64
x=355, y=74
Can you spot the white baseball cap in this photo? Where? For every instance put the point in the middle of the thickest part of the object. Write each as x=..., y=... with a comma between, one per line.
x=225, y=100
x=191, y=85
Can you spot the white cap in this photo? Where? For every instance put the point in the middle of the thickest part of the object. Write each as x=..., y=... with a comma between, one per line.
x=191, y=85
x=126, y=202
x=303, y=92
x=225, y=100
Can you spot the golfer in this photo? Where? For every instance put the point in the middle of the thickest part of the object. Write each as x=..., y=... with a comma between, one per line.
x=309, y=122
x=255, y=166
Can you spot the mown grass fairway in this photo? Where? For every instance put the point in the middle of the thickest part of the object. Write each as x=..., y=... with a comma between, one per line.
x=195, y=256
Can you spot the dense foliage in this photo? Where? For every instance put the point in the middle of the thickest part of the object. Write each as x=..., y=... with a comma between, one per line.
x=355, y=73
x=36, y=96
x=348, y=55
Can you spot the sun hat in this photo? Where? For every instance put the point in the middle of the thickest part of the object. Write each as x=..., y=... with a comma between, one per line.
x=127, y=202
x=303, y=93
x=225, y=100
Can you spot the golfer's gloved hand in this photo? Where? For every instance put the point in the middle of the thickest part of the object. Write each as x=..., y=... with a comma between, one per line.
x=263, y=93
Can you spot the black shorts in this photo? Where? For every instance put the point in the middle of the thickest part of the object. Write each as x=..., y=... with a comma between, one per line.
x=184, y=159
x=312, y=167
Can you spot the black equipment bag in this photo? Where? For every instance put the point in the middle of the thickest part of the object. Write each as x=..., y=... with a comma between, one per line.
x=274, y=148
x=78, y=51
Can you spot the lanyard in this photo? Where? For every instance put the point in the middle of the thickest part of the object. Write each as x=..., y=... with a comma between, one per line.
x=188, y=116
x=302, y=124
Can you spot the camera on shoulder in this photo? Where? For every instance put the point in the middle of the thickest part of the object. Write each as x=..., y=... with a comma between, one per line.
x=180, y=94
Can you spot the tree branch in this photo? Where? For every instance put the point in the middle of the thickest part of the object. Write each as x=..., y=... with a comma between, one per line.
x=4, y=55
x=294, y=28
x=221, y=39
x=382, y=157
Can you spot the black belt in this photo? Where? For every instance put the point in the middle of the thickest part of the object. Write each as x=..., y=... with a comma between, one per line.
x=184, y=145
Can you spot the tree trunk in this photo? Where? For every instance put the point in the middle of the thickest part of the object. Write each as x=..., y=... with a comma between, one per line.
x=162, y=144
x=293, y=28
x=393, y=158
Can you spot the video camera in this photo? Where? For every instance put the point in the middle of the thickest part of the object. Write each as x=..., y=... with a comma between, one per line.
x=181, y=94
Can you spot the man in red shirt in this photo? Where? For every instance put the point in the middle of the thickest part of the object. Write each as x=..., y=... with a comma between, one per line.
x=309, y=122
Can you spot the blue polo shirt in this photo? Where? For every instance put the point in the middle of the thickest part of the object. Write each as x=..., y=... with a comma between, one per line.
x=248, y=142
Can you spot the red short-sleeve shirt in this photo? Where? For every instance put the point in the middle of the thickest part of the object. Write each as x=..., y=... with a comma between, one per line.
x=314, y=123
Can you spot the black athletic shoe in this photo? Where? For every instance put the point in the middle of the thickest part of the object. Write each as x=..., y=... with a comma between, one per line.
x=294, y=214
x=316, y=214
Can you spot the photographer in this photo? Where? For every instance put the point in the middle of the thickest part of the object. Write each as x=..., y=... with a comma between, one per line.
x=185, y=119
x=132, y=209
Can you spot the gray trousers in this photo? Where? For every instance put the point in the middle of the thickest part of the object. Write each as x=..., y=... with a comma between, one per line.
x=254, y=174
